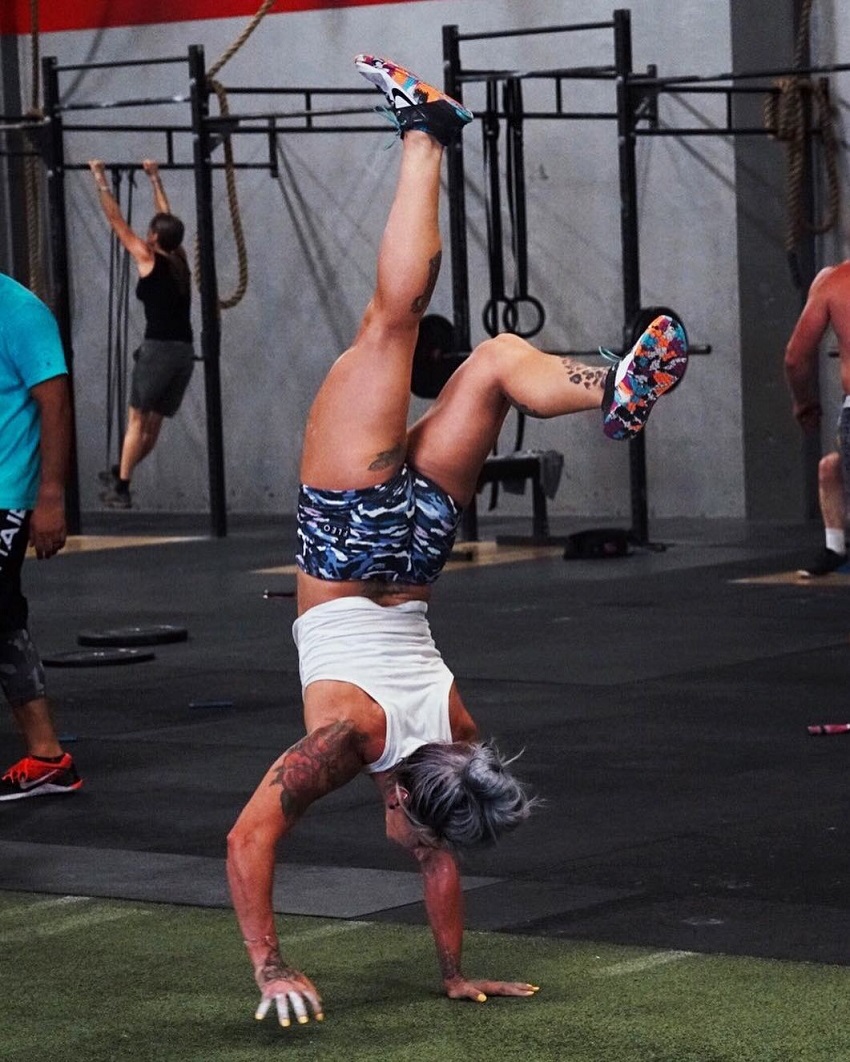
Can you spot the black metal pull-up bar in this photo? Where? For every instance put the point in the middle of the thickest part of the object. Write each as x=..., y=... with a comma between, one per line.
x=621, y=73
x=56, y=168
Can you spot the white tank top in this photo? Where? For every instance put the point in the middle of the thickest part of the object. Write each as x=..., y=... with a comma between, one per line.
x=388, y=652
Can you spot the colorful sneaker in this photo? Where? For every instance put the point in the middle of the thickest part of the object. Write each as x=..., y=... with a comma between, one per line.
x=825, y=562
x=116, y=499
x=414, y=104
x=31, y=777
x=655, y=364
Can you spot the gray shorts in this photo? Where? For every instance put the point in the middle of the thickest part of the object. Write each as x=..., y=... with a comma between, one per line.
x=161, y=375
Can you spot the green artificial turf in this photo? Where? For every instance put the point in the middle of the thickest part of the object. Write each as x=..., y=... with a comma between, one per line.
x=88, y=980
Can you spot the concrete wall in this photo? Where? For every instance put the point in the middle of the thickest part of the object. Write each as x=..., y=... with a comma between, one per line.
x=312, y=237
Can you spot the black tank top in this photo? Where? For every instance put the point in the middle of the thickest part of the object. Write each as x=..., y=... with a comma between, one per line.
x=167, y=309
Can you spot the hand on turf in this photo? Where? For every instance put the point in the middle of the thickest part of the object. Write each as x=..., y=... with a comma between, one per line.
x=478, y=991
x=293, y=996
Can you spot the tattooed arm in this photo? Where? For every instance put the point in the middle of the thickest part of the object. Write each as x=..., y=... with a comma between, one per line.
x=324, y=760
x=444, y=906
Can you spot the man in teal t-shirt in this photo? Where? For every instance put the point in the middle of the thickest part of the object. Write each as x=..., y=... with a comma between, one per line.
x=35, y=435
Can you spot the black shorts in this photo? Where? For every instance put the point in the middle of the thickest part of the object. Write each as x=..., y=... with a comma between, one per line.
x=161, y=375
x=14, y=535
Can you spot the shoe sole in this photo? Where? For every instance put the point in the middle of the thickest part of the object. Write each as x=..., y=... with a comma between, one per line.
x=659, y=361
x=114, y=504
x=48, y=789
x=395, y=82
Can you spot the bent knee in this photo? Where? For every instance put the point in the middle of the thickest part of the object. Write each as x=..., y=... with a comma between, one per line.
x=829, y=468
x=503, y=346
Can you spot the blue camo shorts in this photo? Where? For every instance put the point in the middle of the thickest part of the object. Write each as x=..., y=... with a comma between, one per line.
x=402, y=530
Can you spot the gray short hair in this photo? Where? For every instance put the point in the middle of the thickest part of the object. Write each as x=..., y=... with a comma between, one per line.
x=462, y=794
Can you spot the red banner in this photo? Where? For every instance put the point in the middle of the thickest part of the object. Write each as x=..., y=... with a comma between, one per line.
x=60, y=15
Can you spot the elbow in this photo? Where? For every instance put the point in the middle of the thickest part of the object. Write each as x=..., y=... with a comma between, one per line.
x=250, y=844
x=244, y=847
x=791, y=360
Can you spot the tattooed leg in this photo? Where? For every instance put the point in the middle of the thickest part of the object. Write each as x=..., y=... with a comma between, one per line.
x=451, y=441
x=357, y=430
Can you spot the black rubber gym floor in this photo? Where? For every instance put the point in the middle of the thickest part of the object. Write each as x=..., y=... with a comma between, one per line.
x=661, y=703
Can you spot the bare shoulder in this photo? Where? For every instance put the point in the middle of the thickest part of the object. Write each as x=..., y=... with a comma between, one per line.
x=347, y=709
x=832, y=279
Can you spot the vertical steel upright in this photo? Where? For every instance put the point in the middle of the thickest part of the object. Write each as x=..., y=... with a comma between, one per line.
x=457, y=199
x=210, y=313
x=630, y=243
x=54, y=160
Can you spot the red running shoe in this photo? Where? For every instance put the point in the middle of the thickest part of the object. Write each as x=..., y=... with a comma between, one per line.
x=31, y=777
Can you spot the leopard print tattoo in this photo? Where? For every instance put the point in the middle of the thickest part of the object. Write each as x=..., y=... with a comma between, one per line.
x=584, y=375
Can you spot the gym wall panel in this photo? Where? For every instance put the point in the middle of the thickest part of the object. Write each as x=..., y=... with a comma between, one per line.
x=313, y=232
x=16, y=15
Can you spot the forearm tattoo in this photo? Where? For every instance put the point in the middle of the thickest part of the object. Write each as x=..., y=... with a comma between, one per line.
x=318, y=763
x=274, y=968
x=387, y=458
x=420, y=303
x=584, y=375
x=449, y=966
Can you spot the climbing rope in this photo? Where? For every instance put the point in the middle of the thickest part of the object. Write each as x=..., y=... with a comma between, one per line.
x=791, y=111
x=229, y=166
x=118, y=325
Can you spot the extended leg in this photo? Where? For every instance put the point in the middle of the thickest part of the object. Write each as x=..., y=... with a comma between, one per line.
x=356, y=431
x=355, y=435
x=833, y=554
x=143, y=430
x=831, y=496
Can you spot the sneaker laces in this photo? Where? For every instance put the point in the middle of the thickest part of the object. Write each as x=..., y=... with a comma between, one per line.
x=615, y=359
x=390, y=115
x=17, y=772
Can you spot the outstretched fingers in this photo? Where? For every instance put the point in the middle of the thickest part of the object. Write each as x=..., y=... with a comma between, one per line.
x=299, y=1004
x=479, y=991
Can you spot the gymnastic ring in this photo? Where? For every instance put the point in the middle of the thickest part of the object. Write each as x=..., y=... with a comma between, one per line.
x=510, y=316
x=490, y=314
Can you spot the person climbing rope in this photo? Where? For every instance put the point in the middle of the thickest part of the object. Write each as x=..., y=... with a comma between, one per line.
x=165, y=360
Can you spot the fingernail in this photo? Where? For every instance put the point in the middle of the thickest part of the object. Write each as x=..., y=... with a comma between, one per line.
x=320, y=1017
x=285, y=1022
x=481, y=998
x=303, y=1019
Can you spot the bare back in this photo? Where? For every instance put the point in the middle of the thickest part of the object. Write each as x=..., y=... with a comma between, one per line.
x=827, y=305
